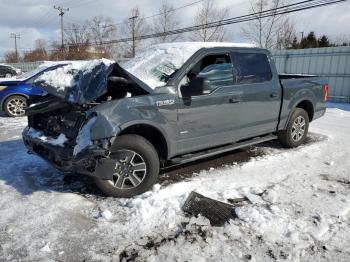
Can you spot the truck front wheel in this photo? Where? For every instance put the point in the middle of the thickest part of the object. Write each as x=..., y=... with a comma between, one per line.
x=297, y=129
x=136, y=169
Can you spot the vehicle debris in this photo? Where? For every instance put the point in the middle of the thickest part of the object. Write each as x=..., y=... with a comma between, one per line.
x=217, y=212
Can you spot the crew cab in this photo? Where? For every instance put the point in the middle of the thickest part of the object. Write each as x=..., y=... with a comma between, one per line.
x=171, y=104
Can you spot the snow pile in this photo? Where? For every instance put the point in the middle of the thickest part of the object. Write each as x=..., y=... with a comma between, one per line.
x=58, y=141
x=63, y=77
x=299, y=208
x=153, y=65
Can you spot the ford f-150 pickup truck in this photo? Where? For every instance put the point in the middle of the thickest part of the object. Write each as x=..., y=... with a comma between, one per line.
x=171, y=104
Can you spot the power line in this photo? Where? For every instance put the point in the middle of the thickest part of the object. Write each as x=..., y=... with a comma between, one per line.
x=286, y=9
x=155, y=15
x=87, y=2
x=175, y=9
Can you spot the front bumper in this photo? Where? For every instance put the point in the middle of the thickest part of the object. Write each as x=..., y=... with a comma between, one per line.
x=91, y=161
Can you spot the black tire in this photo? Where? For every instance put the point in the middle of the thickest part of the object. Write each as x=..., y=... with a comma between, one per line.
x=295, y=134
x=14, y=105
x=146, y=152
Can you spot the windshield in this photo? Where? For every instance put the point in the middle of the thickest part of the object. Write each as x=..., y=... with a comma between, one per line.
x=154, y=66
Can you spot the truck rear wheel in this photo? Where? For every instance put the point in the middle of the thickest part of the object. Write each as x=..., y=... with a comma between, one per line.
x=297, y=129
x=137, y=167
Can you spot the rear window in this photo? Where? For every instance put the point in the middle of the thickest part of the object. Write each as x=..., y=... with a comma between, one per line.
x=251, y=68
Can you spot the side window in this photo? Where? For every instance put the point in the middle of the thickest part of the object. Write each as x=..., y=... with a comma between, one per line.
x=218, y=74
x=208, y=74
x=251, y=68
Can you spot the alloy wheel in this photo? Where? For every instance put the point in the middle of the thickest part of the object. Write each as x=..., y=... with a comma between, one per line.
x=298, y=128
x=16, y=106
x=130, y=169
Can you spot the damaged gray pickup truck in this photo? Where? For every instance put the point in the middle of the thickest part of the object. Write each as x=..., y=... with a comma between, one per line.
x=171, y=104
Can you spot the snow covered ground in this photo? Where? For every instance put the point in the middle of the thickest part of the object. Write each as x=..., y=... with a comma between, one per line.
x=303, y=213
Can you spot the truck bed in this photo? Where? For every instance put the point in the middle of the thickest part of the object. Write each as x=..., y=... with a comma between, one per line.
x=297, y=88
x=294, y=76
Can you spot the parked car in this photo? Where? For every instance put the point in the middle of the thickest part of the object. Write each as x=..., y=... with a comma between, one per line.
x=16, y=94
x=7, y=71
x=171, y=104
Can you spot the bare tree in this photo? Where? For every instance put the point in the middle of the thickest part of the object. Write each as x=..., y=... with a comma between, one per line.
x=38, y=54
x=11, y=57
x=101, y=29
x=76, y=35
x=341, y=40
x=208, y=13
x=166, y=21
x=40, y=43
x=268, y=32
x=134, y=27
x=286, y=35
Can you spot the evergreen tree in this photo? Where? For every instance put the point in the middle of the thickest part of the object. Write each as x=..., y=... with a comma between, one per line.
x=295, y=43
x=324, y=41
x=310, y=41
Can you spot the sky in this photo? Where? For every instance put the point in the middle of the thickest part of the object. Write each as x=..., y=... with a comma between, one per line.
x=33, y=19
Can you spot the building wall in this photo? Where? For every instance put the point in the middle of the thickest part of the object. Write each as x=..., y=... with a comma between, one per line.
x=330, y=62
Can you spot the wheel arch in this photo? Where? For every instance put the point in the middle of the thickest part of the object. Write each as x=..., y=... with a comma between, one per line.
x=305, y=104
x=308, y=106
x=152, y=134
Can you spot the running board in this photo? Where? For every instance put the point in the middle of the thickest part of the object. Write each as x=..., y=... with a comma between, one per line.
x=212, y=152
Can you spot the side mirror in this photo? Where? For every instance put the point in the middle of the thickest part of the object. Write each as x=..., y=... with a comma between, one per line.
x=197, y=86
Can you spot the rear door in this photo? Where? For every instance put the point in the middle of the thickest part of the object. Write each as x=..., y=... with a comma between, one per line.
x=261, y=92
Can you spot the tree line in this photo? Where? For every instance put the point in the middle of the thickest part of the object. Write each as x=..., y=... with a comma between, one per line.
x=88, y=40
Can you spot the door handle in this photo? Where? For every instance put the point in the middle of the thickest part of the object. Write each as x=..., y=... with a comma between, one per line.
x=274, y=95
x=234, y=100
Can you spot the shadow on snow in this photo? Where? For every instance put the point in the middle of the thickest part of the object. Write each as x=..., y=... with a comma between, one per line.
x=28, y=173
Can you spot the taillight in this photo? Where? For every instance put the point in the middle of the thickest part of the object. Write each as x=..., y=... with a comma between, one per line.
x=325, y=92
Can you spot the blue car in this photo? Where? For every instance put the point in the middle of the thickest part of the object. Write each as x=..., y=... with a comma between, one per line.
x=17, y=94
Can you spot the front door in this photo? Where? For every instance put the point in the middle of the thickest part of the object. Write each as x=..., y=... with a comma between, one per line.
x=207, y=116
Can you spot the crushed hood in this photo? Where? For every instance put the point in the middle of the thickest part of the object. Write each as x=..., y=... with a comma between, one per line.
x=84, y=81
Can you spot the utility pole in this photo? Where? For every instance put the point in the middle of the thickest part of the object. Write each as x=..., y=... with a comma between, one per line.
x=302, y=38
x=133, y=34
x=16, y=36
x=61, y=13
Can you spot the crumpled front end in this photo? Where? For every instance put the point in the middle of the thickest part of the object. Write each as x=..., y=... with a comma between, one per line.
x=63, y=138
x=75, y=125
